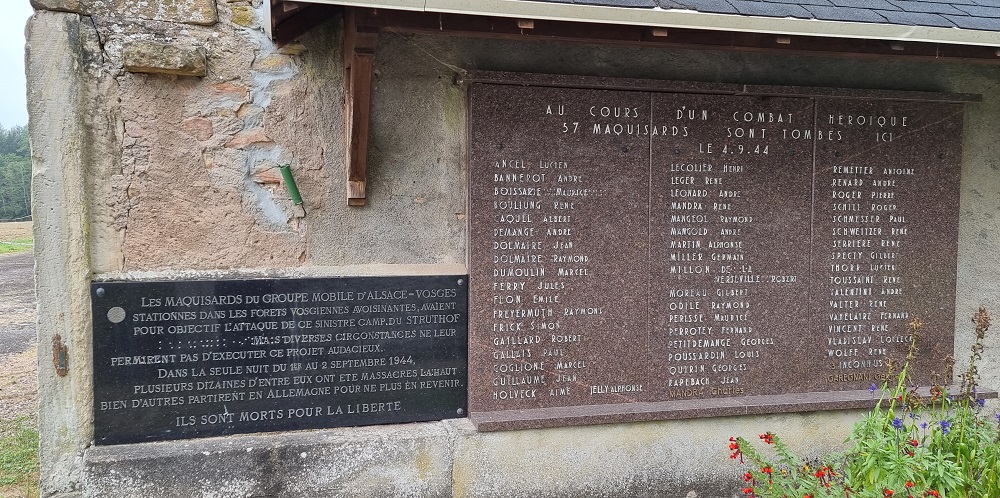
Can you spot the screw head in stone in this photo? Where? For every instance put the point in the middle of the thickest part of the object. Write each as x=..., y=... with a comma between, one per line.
x=100, y=292
x=461, y=281
x=460, y=411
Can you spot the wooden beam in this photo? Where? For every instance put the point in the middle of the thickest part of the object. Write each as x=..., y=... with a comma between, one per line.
x=290, y=20
x=359, y=58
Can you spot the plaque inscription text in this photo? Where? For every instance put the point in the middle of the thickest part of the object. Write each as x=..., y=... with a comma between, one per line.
x=644, y=246
x=204, y=358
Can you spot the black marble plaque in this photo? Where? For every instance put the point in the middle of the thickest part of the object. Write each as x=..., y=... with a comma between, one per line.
x=207, y=358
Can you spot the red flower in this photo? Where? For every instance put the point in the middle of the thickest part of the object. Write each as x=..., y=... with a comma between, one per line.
x=748, y=491
x=933, y=493
x=909, y=484
x=748, y=477
x=887, y=493
x=768, y=438
x=766, y=470
x=734, y=445
x=913, y=442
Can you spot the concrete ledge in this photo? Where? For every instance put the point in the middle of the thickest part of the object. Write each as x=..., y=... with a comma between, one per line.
x=397, y=460
x=450, y=458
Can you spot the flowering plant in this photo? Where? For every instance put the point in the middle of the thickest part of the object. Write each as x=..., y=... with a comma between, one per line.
x=938, y=445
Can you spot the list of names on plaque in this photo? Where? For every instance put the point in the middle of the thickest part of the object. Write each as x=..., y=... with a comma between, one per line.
x=886, y=232
x=202, y=358
x=653, y=246
x=725, y=253
x=554, y=256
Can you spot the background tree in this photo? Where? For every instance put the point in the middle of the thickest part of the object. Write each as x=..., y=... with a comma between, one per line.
x=15, y=173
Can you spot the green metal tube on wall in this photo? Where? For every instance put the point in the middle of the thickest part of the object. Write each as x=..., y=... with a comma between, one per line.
x=293, y=189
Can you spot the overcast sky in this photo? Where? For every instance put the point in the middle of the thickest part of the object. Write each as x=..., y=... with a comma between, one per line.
x=12, y=106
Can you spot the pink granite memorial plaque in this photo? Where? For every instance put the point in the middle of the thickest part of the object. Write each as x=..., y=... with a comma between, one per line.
x=650, y=250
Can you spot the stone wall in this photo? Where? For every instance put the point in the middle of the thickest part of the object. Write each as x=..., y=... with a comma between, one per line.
x=157, y=128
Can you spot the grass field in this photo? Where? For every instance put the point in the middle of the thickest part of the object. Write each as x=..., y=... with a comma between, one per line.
x=18, y=429
x=18, y=458
x=15, y=237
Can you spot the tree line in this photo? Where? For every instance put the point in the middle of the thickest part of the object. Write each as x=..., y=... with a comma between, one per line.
x=15, y=174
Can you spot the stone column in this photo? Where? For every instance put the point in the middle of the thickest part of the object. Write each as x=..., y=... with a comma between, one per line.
x=60, y=49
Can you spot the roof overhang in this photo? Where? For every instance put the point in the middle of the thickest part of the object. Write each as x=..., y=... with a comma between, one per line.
x=527, y=20
x=675, y=18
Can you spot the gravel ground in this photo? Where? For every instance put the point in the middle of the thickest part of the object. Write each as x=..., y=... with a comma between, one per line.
x=18, y=385
x=18, y=377
x=17, y=303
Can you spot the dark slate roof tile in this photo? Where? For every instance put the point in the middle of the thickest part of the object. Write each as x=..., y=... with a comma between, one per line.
x=915, y=18
x=620, y=3
x=713, y=6
x=865, y=4
x=667, y=4
x=968, y=22
x=967, y=14
x=805, y=3
x=845, y=14
x=767, y=9
x=931, y=7
x=979, y=11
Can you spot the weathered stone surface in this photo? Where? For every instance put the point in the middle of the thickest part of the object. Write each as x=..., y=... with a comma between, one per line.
x=402, y=460
x=642, y=460
x=153, y=57
x=59, y=5
x=62, y=94
x=199, y=128
x=449, y=458
x=201, y=12
x=249, y=137
x=243, y=15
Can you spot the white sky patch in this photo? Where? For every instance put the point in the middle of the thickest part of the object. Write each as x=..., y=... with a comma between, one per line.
x=13, y=111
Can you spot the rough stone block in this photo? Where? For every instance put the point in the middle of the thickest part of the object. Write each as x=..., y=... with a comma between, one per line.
x=59, y=5
x=201, y=12
x=243, y=15
x=153, y=57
